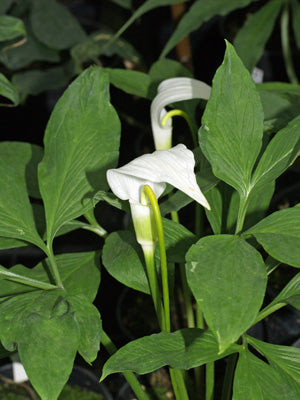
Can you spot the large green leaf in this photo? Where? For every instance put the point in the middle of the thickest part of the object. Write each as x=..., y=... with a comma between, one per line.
x=123, y=259
x=18, y=162
x=183, y=349
x=8, y=90
x=286, y=358
x=226, y=276
x=279, y=234
x=90, y=326
x=54, y=25
x=231, y=135
x=11, y=28
x=47, y=336
x=200, y=12
x=252, y=37
x=256, y=380
x=81, y=143
x=22, y=55
x=37, y=81
x=279, y=155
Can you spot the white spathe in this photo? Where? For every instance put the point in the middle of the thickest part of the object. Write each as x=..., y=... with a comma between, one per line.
x=174, y=166
x=171, y=91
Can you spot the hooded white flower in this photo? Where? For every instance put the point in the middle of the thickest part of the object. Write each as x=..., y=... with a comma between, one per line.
x=174, y=166
x=171, y=91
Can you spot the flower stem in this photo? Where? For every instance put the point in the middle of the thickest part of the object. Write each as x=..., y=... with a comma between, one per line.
x=163, y=256
x=129, y=376
x=228, y=378
x=210, y=380
x=178, y=384
x=153, y=283
x=183, y=114
x=285, y=43
x=175, y=374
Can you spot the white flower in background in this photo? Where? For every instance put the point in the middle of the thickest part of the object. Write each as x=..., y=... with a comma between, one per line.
x=174, y=166
x=171, y=91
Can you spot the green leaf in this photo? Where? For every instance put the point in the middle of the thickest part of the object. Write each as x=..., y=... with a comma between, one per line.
x=54, y=25
x=81, y=143
x=226, y=276
x=120, y=47
x=279, y=234
x=200, y=12
x=231, y=135
x=8, y=243
x=256, y=380
x=253, y=36
x=287, y=358
x=11, y=28
x=18, y=163
x=25, y=158
x=148, y=5
x=112, y=200
x=183, y=349
x=165, y=69
x=132, y=82
x=296, y=21
x=9, y=90
x=258, y=204
x=281, y=102
x=40, y=323
x=90, y=325
x=25, y=53
x=224, y=203
x=79, y=273
x=279, y=155
x=123, y=3
x=38, y=81
x=123, y=259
